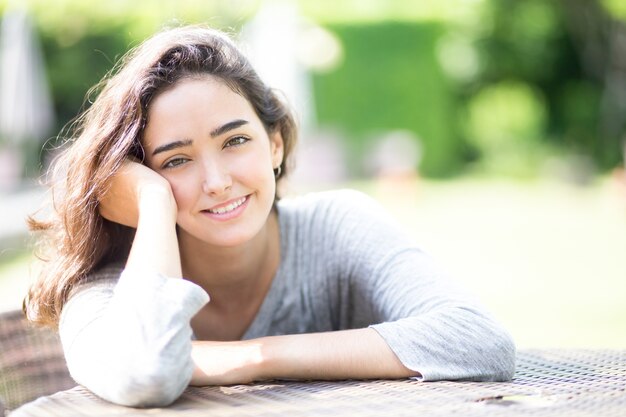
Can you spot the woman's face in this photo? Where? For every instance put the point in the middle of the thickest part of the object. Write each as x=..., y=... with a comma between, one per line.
x=208, y=142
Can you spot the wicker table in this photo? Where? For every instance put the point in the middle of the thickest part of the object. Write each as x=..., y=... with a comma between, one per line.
x=547, y=383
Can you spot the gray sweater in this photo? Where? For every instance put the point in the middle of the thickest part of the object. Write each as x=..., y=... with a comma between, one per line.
x=344, y=264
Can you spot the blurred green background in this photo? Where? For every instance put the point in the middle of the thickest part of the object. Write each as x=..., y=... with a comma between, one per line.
x=517, y=111
x=488, y=85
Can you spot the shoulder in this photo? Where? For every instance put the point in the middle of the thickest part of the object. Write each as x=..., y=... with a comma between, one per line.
x=337, y=202
x=345, y=214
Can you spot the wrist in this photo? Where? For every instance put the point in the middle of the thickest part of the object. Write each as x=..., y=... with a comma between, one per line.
x=254, y=361
x=225, y=363
x=157, y=201
x=274, y=359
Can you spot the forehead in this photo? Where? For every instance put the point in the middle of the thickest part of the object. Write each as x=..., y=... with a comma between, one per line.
x=193, y=106
x=196, y=89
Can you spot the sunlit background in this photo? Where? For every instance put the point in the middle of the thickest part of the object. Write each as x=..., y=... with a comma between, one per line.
x=494, y=130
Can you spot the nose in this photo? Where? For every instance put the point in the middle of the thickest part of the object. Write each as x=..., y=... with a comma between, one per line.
x=216, y=178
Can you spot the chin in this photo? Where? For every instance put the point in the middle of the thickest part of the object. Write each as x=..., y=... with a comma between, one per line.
x=230, y=242
x=226, y=239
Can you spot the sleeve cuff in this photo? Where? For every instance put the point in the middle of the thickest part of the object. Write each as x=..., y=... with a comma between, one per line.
x=144, y=287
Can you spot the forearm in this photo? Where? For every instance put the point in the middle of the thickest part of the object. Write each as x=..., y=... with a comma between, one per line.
x=155, y=247
x=140, y=198
x=348, y=354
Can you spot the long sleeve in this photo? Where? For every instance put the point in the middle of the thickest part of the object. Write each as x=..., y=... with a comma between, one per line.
x=433, y=327
x=127, y=337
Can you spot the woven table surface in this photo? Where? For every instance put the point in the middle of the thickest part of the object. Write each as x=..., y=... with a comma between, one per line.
x=546, y=383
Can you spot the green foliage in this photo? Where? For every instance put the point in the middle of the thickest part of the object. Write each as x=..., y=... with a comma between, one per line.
x=76, y=63
x=576, y=111
x=526, y=40
x=531, y=43
x=616, y=7
x=390, y=79
x=506, y=121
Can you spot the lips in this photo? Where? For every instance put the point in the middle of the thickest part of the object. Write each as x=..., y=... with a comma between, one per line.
x=229, y=210
x=228, y=207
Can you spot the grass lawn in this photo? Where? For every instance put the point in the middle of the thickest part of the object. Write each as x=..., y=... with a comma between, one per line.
x=548, y=259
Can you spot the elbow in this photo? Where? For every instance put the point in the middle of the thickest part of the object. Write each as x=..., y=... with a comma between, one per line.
x=501, y=354
x=490, y=351
x=139, y=372
x=135, y=380
x=147, y=384
x=153, y=388
x=509, y=358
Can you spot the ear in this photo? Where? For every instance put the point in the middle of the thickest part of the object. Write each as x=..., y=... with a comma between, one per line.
x=277, y=148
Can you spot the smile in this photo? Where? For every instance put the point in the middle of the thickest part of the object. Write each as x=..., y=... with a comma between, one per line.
x=228, y=208
x=228, y=211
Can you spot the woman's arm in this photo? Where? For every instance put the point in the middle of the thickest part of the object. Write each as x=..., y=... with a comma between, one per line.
x=142, y=199
x=346, y=354
x=128, y=339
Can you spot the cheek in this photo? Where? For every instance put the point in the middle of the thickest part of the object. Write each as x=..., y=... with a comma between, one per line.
x=184, y=191
x=257, y=164
x=253, y=171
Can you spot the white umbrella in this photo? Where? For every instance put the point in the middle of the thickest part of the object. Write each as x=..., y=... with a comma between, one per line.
x=25, y=106
x=271, y=39
x=26, y=112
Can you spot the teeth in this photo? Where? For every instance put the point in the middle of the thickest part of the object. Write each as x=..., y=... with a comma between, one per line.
x=229, y=207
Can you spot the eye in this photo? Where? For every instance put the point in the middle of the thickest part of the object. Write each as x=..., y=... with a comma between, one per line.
x=236, y=141
x=174, y=162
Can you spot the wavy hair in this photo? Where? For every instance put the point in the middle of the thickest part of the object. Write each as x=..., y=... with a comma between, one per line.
x=77, y=238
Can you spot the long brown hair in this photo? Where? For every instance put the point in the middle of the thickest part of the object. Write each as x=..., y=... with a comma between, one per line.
x=79, y=239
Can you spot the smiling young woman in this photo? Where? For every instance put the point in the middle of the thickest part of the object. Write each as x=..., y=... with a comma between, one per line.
x=167, y=194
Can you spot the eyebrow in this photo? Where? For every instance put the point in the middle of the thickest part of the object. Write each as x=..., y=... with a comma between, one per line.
x=227, y=127
x=172, y=145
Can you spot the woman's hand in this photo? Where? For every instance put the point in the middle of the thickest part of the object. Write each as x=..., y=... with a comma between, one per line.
x=132, y=187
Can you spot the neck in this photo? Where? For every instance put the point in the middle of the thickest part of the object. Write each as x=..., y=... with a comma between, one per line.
x=233, y=275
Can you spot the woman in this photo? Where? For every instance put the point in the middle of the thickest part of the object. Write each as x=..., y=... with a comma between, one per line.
x=173, y=174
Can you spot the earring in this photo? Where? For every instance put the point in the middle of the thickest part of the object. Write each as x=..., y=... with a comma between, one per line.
x=277, y=171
